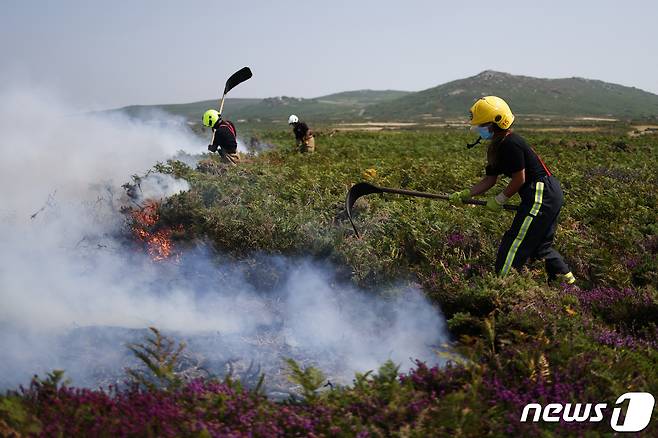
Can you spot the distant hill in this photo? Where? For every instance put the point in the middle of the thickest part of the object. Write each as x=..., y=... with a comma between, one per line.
x=339, y=106
x=363, y=97
x=569, y=97
x=557, y=98
x=191, y=111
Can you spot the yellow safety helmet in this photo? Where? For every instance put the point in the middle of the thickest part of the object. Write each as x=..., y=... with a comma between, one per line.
x=491, y=109
x=210, y=117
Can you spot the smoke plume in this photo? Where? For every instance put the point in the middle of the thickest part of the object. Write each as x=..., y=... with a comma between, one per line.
x=74, y=289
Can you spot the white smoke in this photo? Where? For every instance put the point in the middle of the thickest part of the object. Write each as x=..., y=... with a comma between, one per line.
x=66, y=264
x=45, y=148
x=159, y=186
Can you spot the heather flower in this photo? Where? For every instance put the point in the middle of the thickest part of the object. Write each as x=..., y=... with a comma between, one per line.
x=608, y=296
x=614, y=339
x=631, y=262
x=455, y=239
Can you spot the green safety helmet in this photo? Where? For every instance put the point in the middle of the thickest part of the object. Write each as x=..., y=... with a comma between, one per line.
x=210, y=117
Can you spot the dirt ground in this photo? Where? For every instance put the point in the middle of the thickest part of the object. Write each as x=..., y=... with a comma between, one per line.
x=638, y=130
x=602, y=125
x=567, y=129
x=372, y=126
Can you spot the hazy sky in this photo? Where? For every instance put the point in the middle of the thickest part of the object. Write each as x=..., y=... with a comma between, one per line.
x=113, y=53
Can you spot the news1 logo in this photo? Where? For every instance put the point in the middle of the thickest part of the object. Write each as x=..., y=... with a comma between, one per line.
x=636, y=419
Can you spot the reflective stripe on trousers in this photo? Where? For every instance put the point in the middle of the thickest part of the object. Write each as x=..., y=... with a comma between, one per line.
x=539, y=196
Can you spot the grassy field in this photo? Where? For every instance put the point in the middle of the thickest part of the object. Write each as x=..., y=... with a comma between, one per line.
x=516, y=340
x=293, y=203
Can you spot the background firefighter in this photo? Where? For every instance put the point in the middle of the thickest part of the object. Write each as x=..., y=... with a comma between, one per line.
x=532, y=231
x=303, y=134
x=224, y=140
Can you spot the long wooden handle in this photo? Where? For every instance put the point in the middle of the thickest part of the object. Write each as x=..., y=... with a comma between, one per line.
x=414, y=193
x=363, y=188
x=439, y=196
x=221, y=104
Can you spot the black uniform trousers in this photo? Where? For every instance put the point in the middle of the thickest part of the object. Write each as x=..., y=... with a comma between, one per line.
x=532, y=231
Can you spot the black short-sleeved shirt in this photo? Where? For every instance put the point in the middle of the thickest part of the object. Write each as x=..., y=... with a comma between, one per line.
x=514, y=154
x=300, y=129
x=225, y=136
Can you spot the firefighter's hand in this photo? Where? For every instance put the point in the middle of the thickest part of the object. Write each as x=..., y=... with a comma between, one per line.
x=493, y=204
x=460, y=196
x=212, y=148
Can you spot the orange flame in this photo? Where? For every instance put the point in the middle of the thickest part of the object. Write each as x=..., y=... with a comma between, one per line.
x=158, y=243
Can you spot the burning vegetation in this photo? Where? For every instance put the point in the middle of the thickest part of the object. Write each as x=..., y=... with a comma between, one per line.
x=143, y=216
x=145, y=228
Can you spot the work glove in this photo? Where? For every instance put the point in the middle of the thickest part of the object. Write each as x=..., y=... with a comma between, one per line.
x=212, y=148
x=461, y=196
x=495, y=203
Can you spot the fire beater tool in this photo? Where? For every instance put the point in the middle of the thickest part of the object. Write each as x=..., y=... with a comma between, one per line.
x=364, y=188
x=236, y=78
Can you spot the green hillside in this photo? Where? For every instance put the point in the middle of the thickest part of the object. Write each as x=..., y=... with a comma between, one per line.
x=554, y=98
x=191, y=111
x=339, y=106
x=569, y=97
x=363, y=97
x=333, y=107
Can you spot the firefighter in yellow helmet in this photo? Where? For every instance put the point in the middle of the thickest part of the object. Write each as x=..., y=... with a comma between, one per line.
x=224, y=139
x=532, y=231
